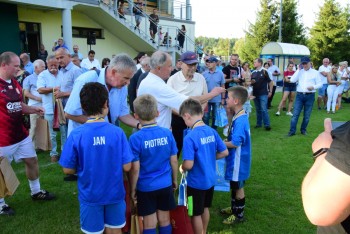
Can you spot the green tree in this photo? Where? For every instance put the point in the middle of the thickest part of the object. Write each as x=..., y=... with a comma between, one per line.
x=264, y=30
x=292, y=29
x=329, y=37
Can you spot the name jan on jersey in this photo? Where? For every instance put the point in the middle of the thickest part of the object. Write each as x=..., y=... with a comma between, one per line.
x=100, y=140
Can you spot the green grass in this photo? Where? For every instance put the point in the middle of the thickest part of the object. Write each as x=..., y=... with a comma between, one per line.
x=273, y=201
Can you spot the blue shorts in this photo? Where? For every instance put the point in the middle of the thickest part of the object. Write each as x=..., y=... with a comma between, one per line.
x=94, y=219
x=149, y=202
x=323, y=90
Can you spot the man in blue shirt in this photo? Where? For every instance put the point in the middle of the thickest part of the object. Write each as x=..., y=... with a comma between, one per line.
x=27, y=64
x=214, y=78
x=115, y=78
x=59, y=44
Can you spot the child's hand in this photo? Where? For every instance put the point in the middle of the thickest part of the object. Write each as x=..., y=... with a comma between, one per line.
x=174, y=185
x=133, y=196
x=181, y=170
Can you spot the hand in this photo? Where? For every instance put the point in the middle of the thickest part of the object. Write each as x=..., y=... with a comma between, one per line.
x=325, y=139
x=38, y=110
x=217, y=90
x=58, y=94
x=174, y=185
x=310, y=88
x=133, y=196
x=252, y=81
x=270, y=94
x=180, y=169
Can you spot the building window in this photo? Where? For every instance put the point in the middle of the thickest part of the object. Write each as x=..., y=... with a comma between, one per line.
x=81, y=32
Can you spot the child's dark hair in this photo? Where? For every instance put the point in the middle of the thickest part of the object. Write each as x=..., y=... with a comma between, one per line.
x=145, y=106
x=239, y=92
x=191, y=106
x=93, y=96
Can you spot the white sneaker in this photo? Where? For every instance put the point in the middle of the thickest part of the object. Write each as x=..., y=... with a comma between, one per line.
x=225, y=131
x=289, y=113
x=278, y=113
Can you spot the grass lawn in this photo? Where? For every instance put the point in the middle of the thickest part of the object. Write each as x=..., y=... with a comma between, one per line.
x=273, y=201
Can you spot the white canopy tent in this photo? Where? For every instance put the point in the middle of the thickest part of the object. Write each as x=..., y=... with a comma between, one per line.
x=282, y=52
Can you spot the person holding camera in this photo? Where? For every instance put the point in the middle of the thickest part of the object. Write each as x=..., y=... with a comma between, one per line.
x=289, y=89
x=59, y=44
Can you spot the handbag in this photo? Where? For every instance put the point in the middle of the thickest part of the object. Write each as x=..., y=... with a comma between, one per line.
x=179, y=218
x=42, y=134
x=136, y=223
x=221, y=117
x=25, y=117
x=60, y=112
x=221, y=184
x=8, y=179
x=56, y=122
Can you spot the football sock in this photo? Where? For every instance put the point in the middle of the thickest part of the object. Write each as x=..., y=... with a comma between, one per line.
x=150, y=231
x=240, y=204
x=233, y=201
x=165, y=230
x=34, y=186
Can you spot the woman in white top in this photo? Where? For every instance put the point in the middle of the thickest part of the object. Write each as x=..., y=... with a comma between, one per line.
x=333, y=78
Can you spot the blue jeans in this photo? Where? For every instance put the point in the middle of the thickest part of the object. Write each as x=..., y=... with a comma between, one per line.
x=261, y=111
x=53, y=134
x=212, y=106
x=306, y=101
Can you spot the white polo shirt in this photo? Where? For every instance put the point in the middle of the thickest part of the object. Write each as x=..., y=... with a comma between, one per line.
x=324, y=69
x=166, y=97
x=197, y=86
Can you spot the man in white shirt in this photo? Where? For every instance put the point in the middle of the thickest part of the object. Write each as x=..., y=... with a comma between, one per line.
x=323, y=70
x=167, y=98
x=309, y=81
x=90, y=62
x=275, y=72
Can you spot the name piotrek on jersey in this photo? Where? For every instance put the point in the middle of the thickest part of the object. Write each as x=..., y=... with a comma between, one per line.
x=156, y=142
x=101, y=140
x=207, y=140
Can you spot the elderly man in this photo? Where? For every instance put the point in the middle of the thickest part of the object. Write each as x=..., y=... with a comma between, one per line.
x=309, y=81
x=167, y=97
x=27, y=64
x=50, y=81
x=190, y=83
x=31, y=92
x=59, y=44
x=115, y=77
x=90, y=62
x=15, y=144
x=76, y=51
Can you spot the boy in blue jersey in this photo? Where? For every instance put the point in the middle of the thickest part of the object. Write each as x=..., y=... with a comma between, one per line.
x=239, y=160
x=98, y=152
x=202, y=146
x=153, y=176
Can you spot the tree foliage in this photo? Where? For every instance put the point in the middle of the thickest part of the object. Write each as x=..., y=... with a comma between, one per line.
x=220, y=46
x=330, y=34
x=263, y=31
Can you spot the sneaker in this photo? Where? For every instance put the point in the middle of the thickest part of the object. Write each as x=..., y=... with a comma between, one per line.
x=278, y=113
x=43, y=196
x=268, y=128
x=289, y=113
x=226, y=211
x=232, y=220
x=225, y=131
x=6, y=210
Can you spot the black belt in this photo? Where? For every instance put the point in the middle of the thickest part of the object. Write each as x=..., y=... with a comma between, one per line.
x=306, y=93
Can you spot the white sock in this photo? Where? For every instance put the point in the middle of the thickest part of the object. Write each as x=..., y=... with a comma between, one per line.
x=34, y=186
